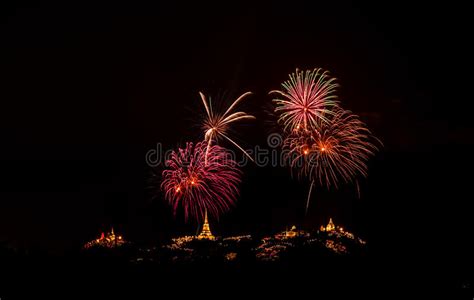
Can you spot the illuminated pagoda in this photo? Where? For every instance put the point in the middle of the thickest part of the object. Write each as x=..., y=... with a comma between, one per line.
x=206, y=233
x=109, y=240
x=329, y=227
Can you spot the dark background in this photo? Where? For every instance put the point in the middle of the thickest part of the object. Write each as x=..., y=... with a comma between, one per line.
x=87, y=90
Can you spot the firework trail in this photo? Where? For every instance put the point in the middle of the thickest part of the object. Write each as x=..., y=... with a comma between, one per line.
x=308, y=98
x=198, y=181
x=216, y=125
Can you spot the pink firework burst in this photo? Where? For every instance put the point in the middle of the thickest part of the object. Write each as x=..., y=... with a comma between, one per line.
x=200, y=182
x=338, y=150
x=307, y=99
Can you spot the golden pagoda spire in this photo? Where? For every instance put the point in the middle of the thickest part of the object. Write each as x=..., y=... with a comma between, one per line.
x=206, y=230
x=330, y=226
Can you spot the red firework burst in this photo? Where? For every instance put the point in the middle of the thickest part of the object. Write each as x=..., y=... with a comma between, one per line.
x=199, y=184
x=307, y=99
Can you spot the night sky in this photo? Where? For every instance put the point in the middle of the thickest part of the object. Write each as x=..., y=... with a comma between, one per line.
x=87, y=90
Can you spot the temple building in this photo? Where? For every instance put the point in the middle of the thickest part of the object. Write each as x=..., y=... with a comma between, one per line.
x=109, y=240
x=206, y=231
x=329, y=227
x=292, y=232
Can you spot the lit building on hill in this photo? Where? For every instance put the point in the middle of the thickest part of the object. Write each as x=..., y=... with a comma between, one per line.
x=329, y=227
x=293, y=232
x=109, y=240
x=339, y=231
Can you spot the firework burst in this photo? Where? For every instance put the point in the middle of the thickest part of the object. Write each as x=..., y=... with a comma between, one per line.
x=199, y=178
x=307, y=99
x=341, y=149
x=216, y=125
x=338, y=150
